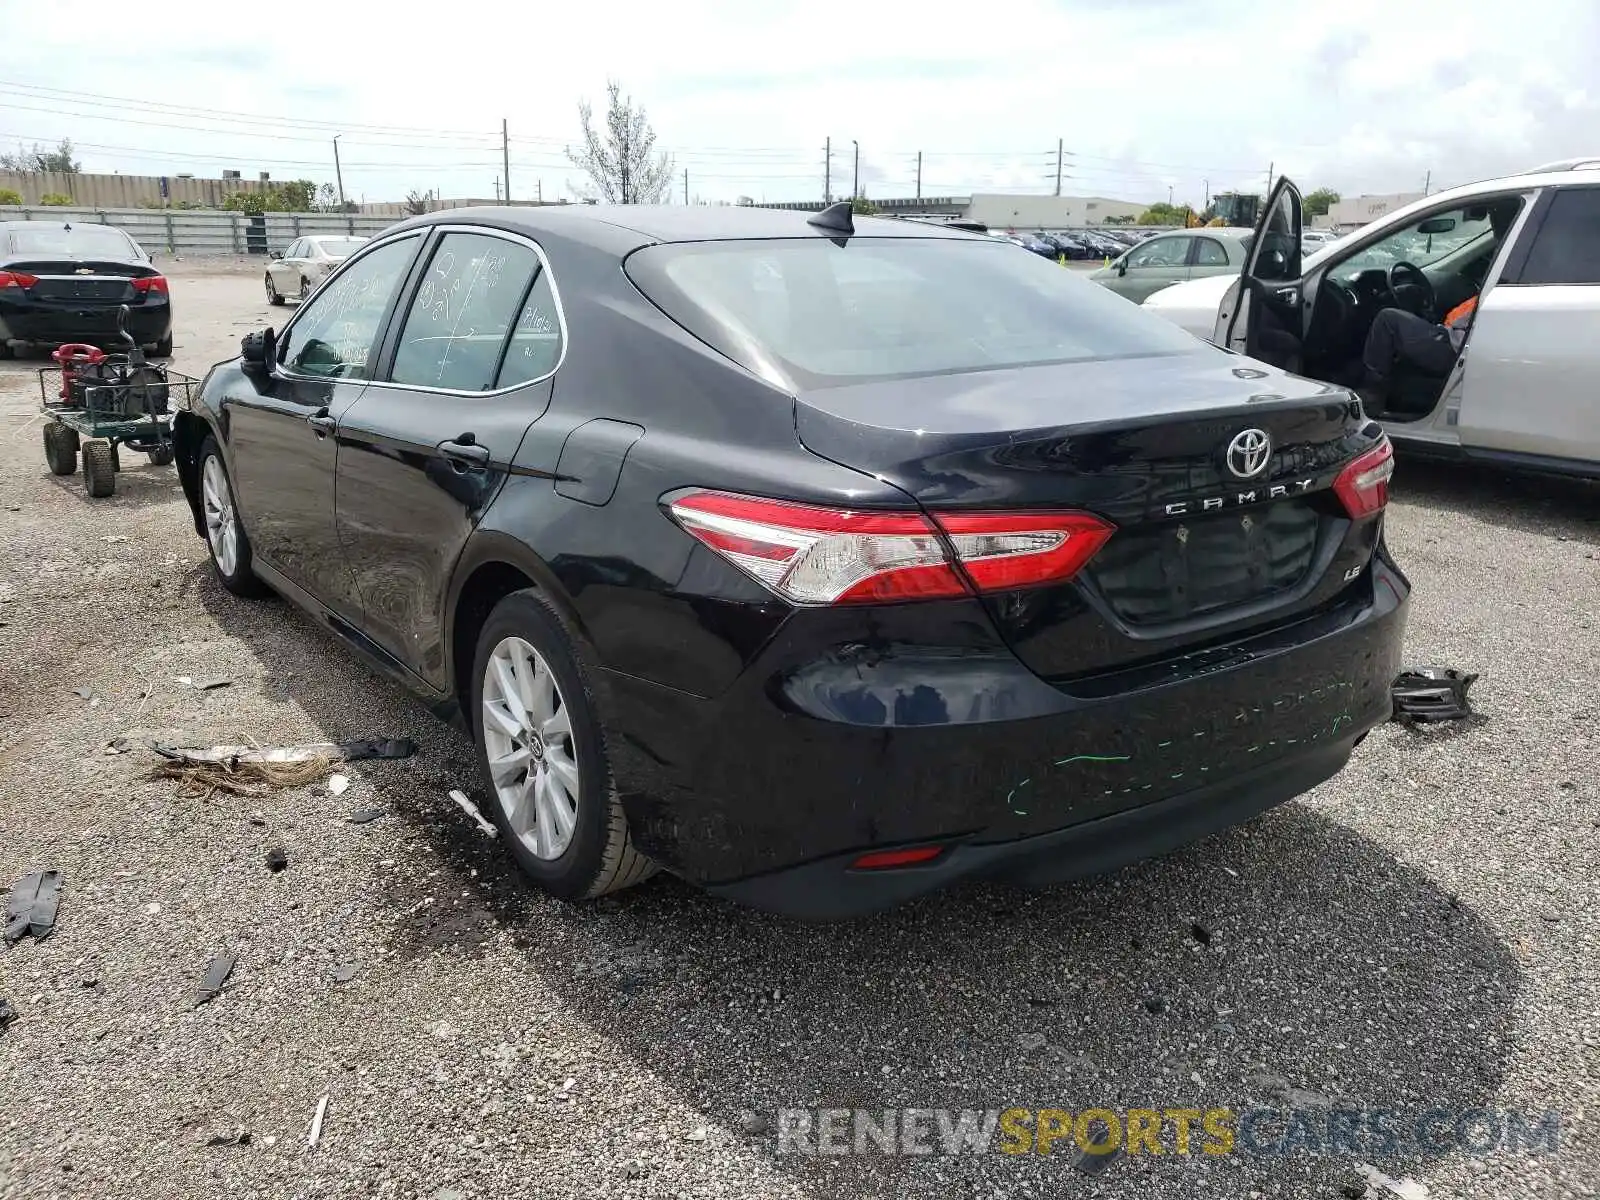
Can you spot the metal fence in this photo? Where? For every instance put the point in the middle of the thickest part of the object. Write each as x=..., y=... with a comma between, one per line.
x=186, y=231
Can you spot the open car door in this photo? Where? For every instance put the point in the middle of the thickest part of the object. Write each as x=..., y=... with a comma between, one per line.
x=1261, y=314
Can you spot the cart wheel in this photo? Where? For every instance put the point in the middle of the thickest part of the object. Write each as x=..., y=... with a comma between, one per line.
x=161, y=456
x=272, y=293
x=99, y=468
x=60, y=448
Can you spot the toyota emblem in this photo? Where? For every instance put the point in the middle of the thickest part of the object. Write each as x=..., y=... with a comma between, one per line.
x=1249, y=453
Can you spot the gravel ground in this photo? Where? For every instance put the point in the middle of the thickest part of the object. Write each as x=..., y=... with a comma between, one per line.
x=1418, y=933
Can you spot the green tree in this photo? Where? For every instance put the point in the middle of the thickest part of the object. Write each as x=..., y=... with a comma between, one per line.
x=621, y=161
x=1320, y=201
x=863, y=207
x=1162, y=213
x=10, y=196
x=55, y=199
x=40, y=160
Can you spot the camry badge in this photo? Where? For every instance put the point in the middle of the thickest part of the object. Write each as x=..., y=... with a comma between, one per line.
x=1249, y=453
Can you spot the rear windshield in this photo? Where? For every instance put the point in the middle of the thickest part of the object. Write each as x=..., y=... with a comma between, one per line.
x=820, y=314
x=336, y=247
x=81, y=241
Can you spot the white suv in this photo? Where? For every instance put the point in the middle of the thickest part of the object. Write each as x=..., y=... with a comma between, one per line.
x=1524, y=391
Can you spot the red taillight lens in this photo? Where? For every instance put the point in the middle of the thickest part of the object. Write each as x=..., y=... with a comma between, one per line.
x=17, y=279
x=151, y=283
x=911, y=856
x=1363, y=486
x=814, y=555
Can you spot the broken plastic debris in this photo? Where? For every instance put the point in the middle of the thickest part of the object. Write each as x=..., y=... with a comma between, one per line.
x=118, y=745
x=1406, y=1189
x=7, y=1014
x=217, y=972
x=364, y=816
x=345, y=972
x=207, y=685
x=239, y=1137
x=31, y=907
x=471, y=810
x=82, y=693
x=337, y=784
x=277, y=859
x=251, y=770
x=1432, y=694
x=316, y=1123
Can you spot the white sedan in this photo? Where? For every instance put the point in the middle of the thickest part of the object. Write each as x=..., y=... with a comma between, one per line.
x=305, y=263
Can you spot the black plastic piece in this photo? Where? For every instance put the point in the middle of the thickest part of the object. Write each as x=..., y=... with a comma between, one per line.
x=32, y=905
x=836, y=218
x=217, y=972
x=1432, y=694
x=363, y=748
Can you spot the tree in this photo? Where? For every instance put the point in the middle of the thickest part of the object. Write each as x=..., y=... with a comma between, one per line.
x=1320, y=201
x=416, y=202
x=862, y=207
x=55, y=200
x=1163, y=213
x=1123, y=220
x=621, y=162
x=10, y=196
x=299, y=195
x=39, y=159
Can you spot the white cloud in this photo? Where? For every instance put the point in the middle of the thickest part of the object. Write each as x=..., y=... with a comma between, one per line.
x=1367, y=95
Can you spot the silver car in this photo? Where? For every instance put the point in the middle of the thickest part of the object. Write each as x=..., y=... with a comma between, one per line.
x=1170, y=258
x=307, y=262
x=1524, y=387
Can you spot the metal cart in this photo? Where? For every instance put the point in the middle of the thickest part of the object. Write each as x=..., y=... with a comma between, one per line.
x=98, y=402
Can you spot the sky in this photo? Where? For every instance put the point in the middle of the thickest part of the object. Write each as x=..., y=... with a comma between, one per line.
x=1145, y=97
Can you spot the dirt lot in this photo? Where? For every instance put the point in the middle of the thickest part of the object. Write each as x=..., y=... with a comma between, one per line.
x=1420, y=933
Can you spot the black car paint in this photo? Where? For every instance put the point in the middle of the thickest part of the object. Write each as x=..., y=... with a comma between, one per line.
x=758, y=747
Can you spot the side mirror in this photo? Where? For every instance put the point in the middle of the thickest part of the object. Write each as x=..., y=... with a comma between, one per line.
x=258, y=351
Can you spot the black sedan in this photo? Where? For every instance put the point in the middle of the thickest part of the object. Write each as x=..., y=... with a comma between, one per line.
x=821, y=561
x=62, y=284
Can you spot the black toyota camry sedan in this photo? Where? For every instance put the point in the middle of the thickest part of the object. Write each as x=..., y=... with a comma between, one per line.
x=820, y=561
x=64, y=283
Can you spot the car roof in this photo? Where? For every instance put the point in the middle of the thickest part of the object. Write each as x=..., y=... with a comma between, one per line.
x=597, y=224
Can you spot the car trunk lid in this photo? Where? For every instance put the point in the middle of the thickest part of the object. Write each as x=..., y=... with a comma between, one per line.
x=92, y=281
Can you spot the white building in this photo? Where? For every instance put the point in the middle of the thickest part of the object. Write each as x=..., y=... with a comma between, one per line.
x=1356, y=211
x=999, y=211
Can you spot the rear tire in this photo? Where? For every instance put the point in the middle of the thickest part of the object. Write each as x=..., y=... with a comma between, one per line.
x=99, y=468
x=61, y=448
x=226, y=541
x=163, y=348
x=272, y=293
x=599, y=855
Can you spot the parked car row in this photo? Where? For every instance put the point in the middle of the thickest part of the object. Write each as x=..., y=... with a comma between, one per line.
x=759, y=546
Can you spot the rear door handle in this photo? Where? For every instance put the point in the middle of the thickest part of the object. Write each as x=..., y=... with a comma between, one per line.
x=466, y=451
x=322, y=422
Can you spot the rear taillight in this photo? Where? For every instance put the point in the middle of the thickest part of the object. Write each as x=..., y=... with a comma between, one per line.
x=17, y=279
x=1363, y=486
x=151, y=283
x=813, y=555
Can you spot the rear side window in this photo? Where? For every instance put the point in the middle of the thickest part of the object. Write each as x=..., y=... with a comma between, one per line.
x=535, y=347
x=823, y=314
x=1208, y=252
x=1567, y=246
x=466, y=304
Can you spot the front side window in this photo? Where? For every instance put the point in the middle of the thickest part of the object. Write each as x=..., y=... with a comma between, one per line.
x=333, y=336
x=1567, y=249
x=1435, y=236
x=1160, y=252
x=823, y=314
x=464, y=309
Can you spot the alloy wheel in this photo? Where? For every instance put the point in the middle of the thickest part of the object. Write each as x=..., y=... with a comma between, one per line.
x=527, y=740
x=222, y=528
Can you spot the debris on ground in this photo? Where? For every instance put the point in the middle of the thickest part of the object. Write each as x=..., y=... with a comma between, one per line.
x=118, y=745
x=1155, y=1004
x=8, y=1014
x=364, y=816
x=277, y=859
x=1200, y=933
x=1092, y=1162
x=254, y=770
x=345, y=972
x=82, y=693
x=239, y=1137
x=1405, y=1189
x=31, y=907
x=337, y=784
x=471, y=810
x=1431, y=694
x=217, y=972
x=316, y=1123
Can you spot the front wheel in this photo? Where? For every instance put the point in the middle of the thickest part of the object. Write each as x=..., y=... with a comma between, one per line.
x=272, y=293
x=541, y=748
x=99, y=468
x=305, y=289
x=60, y=448
x=226, y=540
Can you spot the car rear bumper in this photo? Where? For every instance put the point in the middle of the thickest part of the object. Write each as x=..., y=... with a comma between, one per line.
x=56, y=323
x=831, y=746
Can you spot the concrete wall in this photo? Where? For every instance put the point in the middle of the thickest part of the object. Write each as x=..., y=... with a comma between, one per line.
x=123, y=191
x=1000, y=211
x=179, y=232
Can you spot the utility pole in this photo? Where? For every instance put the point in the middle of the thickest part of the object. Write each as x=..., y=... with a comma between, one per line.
x=1270, y=167
x=1169, y=195
x=1207, y=182
x=497, y=189
x=1058, y=166
x=827, y=171
x=539, y=189
x=505, y=157
x=919, y=174
x=686, y=185
x=855, y=185
x=337, y=172
x=1427, y=182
